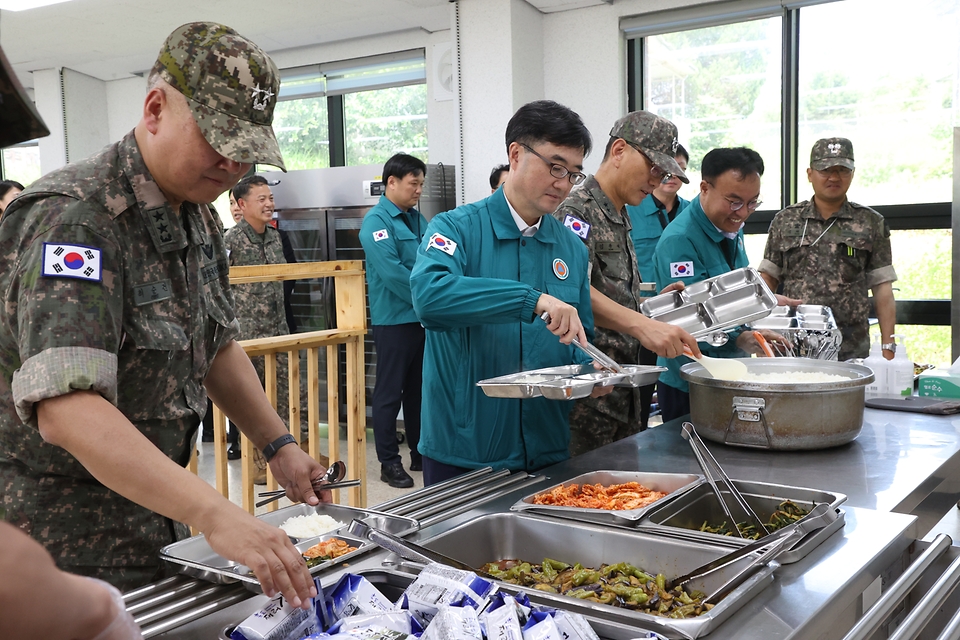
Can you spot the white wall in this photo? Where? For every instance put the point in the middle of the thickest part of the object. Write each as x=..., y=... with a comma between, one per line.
x=85, y=107
x=124, y=105
x=49, y=100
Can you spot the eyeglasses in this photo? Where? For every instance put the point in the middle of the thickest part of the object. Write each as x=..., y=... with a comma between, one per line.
x=736, y=205
x=558, y=171
x=840, y=172
x=655, y=172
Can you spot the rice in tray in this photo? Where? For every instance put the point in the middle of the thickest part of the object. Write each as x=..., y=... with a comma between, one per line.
x=801, y=377
x=309, y=526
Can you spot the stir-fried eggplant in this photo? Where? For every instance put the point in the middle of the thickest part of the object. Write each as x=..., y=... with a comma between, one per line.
x=787, y=513
x=619, y=585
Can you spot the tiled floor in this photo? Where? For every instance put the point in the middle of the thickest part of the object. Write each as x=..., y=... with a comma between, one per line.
x=377, y=491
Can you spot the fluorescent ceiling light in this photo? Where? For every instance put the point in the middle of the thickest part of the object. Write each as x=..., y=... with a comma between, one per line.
x=21, y=5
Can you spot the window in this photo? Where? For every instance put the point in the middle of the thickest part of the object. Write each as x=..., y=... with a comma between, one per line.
x=381, y=123
x=721, y=86
x=22, y=163
x=303, y=130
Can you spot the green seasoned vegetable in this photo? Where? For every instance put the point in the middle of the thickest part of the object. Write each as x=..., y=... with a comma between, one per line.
x=787, y=513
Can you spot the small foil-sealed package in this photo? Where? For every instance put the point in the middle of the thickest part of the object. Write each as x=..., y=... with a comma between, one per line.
x=353, y=595
x=439, y=585
x=542, y=626
x=502, y=618
x=370, y=633
x=279, y=620
x=574, y=626
x=400, y=621
x=454, y=623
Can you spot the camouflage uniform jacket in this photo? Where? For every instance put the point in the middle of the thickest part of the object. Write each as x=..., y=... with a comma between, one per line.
x=614, y=273
x=144, y=336
x=259, y=305
x=852, y=255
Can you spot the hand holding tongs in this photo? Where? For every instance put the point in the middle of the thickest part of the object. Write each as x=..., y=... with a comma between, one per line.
x=329, y=480
x=713, y=471
x=605, y=361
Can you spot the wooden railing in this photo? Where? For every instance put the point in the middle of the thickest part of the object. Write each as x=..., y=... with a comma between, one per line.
x=350, y=331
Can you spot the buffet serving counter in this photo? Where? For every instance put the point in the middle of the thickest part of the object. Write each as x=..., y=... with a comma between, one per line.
x=901, y=476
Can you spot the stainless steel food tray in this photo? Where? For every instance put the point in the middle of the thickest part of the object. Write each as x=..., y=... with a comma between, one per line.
x=811, y=328
x=673, y=484
x=197, y=559
x=513, y=535
x=709, y=308
x=568, y=382
x=688, y=512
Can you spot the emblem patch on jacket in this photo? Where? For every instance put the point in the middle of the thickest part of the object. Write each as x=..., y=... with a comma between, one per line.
x=560, y=269
x=576, y=225
x=445, y=244
x=681, y=269
x=71, y=261
x=380, y=235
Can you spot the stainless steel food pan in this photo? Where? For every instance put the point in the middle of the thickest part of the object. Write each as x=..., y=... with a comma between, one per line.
x=195, y=557
x=673, y=484
x=513, y=535
x=698, y=506
x=567, y=382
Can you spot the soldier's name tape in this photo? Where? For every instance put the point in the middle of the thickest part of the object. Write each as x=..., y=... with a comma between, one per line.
x=71, y=261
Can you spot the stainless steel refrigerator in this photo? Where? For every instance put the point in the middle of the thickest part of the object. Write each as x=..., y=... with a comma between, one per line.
x=320, y=212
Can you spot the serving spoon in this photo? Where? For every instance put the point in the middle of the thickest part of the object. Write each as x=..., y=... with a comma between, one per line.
x=719, y=368
x=334, y=474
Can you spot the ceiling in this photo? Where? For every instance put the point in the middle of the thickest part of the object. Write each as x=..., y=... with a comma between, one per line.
x=114, y=39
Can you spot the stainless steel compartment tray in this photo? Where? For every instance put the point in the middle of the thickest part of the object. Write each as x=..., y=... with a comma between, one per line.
x=567, y=382
x=673, y=484
x=686, y=514
x=811, y=329
x=197, y=559
x=513, y=535
x=716, y=304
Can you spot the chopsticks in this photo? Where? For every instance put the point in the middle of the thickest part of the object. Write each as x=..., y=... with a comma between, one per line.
x=279, y=493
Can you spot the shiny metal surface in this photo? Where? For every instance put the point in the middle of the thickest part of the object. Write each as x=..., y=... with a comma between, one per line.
x=568, y=382
x=811, y=330
x=673, y=484
x=779, y=415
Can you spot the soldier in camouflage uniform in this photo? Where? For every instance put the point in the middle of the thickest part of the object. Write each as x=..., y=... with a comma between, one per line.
x=829, y=251
x=117, y=321
x=639, y=155
x=259, y=305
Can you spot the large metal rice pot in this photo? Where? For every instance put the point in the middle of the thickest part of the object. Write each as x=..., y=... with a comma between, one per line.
x=797, y=415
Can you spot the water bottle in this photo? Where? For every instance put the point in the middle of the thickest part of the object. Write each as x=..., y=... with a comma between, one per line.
x=878, y=364
x=900, y=376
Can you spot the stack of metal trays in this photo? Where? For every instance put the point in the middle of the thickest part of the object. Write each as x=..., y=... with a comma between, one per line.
x=810, y=327
x=531, y=538
x=197, y=559
x=709, y=308
x=699, y=508
x=568, y=382
x=673, y=484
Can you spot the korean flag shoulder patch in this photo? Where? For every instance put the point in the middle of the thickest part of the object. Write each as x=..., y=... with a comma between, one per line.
x=577, y=225
x=71, y=261
x=380, y=235
x=681, y=269
x=445, y=244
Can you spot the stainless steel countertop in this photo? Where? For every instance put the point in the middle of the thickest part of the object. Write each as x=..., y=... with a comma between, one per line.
x=901, y=462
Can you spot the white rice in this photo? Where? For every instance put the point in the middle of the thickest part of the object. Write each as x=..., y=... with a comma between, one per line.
x=309, y=526
x=801, y=377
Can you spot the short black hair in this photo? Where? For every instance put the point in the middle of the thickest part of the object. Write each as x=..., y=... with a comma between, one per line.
x=495, y=174
x=681, y=152
x=401, y=165
x=548, y=121
x=741, y=159
x=242, y=188
x=7, y=185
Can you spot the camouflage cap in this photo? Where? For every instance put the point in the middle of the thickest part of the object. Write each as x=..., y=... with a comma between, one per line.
x=655, y=136
x=831, y=152
x=231, y=85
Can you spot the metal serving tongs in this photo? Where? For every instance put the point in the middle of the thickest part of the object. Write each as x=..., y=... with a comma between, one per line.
x=408, y=550
x=328, y=481
x=605, y=361
x=714, y=472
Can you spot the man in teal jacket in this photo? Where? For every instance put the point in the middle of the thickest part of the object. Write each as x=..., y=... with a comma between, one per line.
x=704, y=241
x=390, y=234
x=484, y=274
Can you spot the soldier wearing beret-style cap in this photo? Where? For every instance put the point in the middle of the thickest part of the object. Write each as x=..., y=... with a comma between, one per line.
x=830, y=251
x=118, y=323
x=640, y=154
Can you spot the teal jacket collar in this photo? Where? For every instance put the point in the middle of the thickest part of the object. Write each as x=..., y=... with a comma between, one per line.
x=698, y=214
x=506, y=229
x=393, y=209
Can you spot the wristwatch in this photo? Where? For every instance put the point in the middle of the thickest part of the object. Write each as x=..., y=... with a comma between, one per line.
x=889, y=346
x=271, y=449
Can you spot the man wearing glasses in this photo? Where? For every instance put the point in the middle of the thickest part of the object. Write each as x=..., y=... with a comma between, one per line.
x=704, y=241
x=639, y=156
x=829, y=251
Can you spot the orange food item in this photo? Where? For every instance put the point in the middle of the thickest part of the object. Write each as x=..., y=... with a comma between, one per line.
x=332, y=548
x=616, y=497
